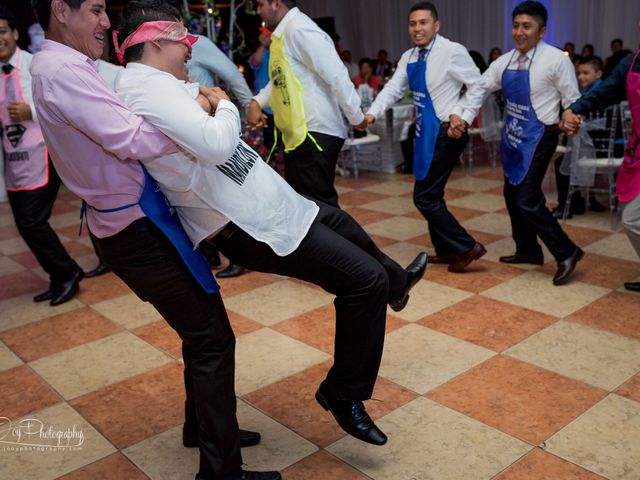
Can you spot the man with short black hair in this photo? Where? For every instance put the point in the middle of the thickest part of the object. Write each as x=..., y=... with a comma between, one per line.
x=31, y=180
x=96, y=144
x=536, y=79
x=225, y=195
x=309, y=90
x=435, y=70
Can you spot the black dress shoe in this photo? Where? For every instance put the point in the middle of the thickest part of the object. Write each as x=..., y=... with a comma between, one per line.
x=566, y=267
x=351, y=416
x=232, y=270
x=190, y=437
x=44, y=296
x=523, y=258
x=558, y=213
x=464, y=259
x=66, y=290
x=415, y=271
x=247, y=475
x=101, y=269
x=632, y=286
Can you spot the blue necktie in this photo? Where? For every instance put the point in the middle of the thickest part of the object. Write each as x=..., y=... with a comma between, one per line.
x=421, y=54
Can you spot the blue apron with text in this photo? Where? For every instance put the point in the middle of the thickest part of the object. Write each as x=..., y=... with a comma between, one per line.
x=157, y=208
x=522, y=130
x=427, y=123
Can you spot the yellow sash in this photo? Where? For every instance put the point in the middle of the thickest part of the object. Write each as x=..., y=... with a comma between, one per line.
x=286, y=98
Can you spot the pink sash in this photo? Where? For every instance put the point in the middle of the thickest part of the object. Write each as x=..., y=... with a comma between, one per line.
x=628, y=181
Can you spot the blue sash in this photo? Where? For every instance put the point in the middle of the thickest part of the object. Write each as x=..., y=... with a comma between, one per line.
x=427, y=123
x=522, y=130
x=157, y=208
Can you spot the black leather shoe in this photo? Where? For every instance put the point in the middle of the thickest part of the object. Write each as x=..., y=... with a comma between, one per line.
x=558, y=213
x=67, y=290
x=415, y=271
x=632, y=286
x=351, y=416
x=101, y=269
x=464, y=259
x=190, y=437
x=248, y=475
x=523, y=258
x=44, y=296
x=232, y=270
x=566, y=267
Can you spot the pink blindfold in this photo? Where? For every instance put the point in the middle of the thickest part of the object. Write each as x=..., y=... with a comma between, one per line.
x=154, y=31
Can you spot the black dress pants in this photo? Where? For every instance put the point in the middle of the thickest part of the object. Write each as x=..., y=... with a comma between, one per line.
x=339, y=256
x=31, y=211
x=447, y=235
x=530, y=217
x=311, y=172
x=148, y=263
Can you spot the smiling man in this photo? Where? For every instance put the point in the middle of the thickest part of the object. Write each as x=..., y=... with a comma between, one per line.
x=31, y=180
x=96, y=144
x=536, y=79
x=435, y=70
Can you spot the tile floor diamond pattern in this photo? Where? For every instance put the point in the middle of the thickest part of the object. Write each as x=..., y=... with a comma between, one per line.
x=478, y=370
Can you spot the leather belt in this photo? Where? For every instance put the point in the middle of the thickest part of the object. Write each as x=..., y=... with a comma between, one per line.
x=551, y=128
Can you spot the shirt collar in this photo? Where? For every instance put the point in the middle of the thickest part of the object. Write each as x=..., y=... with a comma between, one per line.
x=592, y=87
x=291, y=14
x=56, y=47
x=13, y=61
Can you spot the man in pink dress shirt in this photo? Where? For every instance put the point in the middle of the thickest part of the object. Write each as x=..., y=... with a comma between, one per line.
x=95, y=144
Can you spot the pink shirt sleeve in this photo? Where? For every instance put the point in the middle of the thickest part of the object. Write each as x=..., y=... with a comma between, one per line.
x=77, y=99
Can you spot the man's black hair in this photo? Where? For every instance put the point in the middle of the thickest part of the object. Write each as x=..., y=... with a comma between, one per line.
x=137, y=12
x=425, y=6
x=595, y=62
x=616, y=40
x=42, y=9
x=533, y=9
x=288, y=3
x=6, y=14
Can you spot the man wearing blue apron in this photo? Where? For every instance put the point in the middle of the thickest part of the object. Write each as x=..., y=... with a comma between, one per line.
x=32, y=182
x=535, y=79
x=435, y=70
x=95, y=143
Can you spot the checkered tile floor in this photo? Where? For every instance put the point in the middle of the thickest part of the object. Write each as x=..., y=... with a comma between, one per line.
x=493, y=373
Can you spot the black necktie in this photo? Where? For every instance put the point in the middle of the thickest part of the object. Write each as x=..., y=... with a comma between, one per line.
x=7, y=68
x=421, y=53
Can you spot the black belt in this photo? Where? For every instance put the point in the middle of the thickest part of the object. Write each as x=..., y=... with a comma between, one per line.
x=551, y=128
x=226, y=233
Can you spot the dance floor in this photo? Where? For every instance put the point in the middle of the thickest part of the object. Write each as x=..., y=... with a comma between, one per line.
x=494, y=373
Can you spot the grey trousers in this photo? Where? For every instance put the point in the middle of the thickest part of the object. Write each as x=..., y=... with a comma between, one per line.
x=631, y=222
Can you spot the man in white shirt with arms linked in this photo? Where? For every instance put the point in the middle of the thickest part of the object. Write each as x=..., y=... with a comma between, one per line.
x=308, y=86
x=435, y=70
x=536, y=79
x=226, y=195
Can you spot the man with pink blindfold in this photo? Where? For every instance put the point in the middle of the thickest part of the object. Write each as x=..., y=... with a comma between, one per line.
x=155, y=32
x=227, y=196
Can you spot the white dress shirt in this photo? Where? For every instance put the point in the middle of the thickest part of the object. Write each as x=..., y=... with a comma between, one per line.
x=326, y=86
x=552, y=79
x=208, y=60
x=449, y=67
x=25, y=77
x=250, y=193
x=108, y=71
